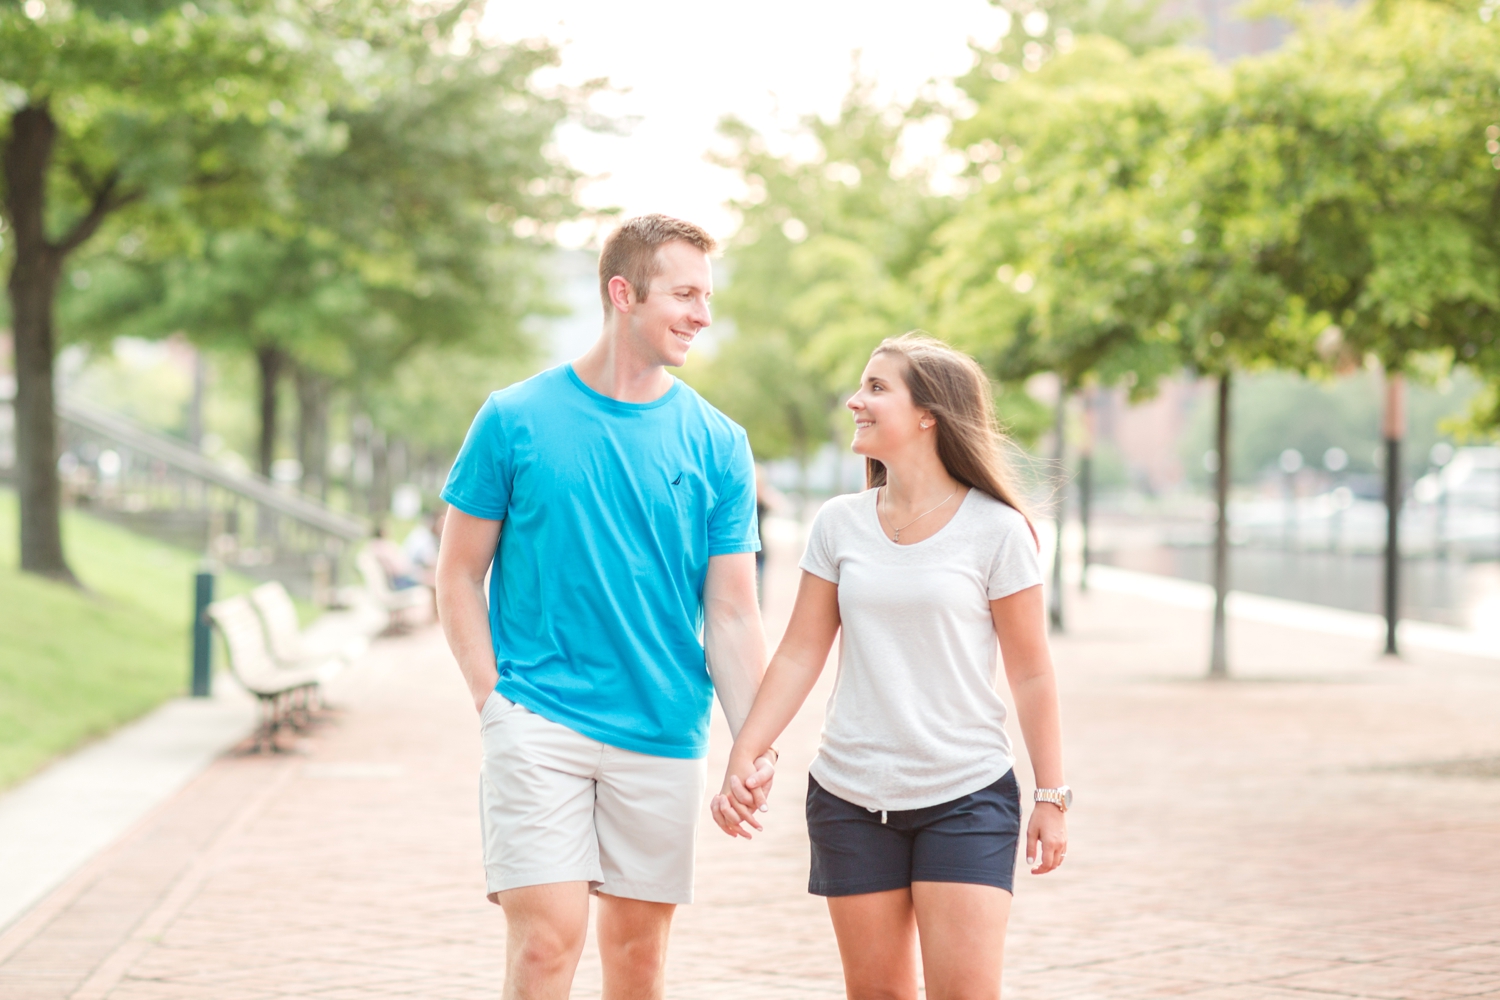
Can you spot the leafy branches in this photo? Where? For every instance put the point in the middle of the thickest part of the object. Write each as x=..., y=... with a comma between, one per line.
x=820, y=270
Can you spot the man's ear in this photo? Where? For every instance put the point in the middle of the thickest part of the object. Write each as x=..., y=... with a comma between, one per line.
x=621, y=294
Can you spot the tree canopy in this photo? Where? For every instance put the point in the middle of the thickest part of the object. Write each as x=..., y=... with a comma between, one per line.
x=1377, y=133
x=819, y=271
x=412, y=230
x=130, y=112
x=862, y=235
x=336, y=187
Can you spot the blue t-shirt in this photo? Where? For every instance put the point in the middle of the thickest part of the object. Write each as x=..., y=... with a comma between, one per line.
x=611, y=513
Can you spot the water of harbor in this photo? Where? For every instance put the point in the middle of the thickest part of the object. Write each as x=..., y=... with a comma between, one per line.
x=1448, y=591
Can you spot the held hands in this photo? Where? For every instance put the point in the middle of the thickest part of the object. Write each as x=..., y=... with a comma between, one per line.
x=742, y=797
x=1046, y=838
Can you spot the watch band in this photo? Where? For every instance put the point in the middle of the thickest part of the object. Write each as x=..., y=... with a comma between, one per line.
x=1059, y=797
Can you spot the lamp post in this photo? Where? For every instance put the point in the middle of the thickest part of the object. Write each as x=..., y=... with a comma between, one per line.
x=203, y=596
x=1086, y=484
x=1059, y=456
x=1393, y=428
x=1218, y=664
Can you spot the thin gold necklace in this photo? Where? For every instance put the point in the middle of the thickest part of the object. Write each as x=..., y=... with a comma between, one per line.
x=908, y=524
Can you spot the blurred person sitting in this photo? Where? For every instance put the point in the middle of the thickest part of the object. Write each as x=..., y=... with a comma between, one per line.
x=421, y=545
x=400, y=571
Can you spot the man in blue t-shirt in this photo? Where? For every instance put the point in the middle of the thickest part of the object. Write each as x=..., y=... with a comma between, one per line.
x=627, y=504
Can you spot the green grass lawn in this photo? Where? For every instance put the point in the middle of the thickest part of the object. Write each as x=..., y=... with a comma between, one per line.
x=75, y=665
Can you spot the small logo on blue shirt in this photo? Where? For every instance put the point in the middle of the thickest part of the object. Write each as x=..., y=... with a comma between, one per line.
x=678, y=480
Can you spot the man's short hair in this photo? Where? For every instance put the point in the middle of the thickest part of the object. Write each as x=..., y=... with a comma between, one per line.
x=631, y=251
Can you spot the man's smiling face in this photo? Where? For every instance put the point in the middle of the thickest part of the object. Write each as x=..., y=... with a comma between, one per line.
x=665, y=324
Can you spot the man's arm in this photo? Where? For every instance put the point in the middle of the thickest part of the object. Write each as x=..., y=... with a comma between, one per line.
x=790, y=677
x=464, y=557
x=733, y=639
x=735, y=645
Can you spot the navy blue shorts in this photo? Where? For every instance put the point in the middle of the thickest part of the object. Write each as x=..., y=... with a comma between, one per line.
x=970, y=839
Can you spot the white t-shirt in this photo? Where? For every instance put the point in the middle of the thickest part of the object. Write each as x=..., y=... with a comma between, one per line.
x=915, y=718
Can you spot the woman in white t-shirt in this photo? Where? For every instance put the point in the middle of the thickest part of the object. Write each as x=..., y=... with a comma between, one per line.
x=913, y=810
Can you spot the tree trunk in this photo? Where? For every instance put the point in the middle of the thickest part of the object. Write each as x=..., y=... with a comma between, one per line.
x=32, y=289
x=1394, y=429
x=1218, y=664
x=1059, y=457
x=1086, y=487
x=271, y=361
x=380, y=478
x=361, y=465
x=398, y=464
x=195, y=405
x=312, y=431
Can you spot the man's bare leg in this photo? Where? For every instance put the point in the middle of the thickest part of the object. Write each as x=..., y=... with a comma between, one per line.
x=544, y=930
x=633, y=947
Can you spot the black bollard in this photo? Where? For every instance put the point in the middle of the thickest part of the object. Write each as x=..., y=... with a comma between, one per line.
x=203, y=596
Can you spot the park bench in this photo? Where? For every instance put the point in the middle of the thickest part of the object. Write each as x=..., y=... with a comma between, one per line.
x=253, y=666
x=335, y=640
x=406, y=607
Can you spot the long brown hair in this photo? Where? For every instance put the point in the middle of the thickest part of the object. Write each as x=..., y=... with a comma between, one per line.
x=955, y=390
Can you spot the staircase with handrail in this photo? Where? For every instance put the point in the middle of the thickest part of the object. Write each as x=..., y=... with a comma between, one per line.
x=121, y=470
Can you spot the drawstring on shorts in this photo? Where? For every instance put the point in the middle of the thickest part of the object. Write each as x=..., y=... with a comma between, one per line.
x=881, y=811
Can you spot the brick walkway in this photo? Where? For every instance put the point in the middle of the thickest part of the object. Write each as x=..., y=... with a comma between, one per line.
x=1301, y=833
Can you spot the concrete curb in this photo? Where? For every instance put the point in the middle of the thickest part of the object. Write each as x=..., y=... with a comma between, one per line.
x=1295, y=614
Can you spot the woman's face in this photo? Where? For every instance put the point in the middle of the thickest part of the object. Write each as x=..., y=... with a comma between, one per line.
x=886, y=422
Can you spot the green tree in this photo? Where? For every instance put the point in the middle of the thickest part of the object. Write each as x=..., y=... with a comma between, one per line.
x=417, y=227
x=441, y=204
x=1380, y=128
x=818, y=271
x=828, y=258
x=1116, y=235
x=120, y=112
x=1057, y=262
x=1077, y=328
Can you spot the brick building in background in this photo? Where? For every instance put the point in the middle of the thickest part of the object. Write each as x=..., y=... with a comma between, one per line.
x=1224, y=31
x=1147, y=436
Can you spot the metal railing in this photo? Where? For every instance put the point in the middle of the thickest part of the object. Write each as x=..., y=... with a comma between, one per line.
x=125, y=472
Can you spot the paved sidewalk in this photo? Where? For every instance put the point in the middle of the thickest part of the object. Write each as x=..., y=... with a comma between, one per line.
x=78, y=806
x=1328, y=825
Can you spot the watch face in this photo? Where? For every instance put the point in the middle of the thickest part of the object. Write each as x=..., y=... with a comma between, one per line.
x=1067, y=796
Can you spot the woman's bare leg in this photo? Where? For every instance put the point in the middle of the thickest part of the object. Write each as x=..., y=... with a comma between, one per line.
x=962, y=930
x=877, y=935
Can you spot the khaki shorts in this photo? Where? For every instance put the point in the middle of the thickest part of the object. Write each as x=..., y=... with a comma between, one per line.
x=557, y=806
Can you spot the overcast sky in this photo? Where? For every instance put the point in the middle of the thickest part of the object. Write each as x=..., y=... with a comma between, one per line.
x=686, y=63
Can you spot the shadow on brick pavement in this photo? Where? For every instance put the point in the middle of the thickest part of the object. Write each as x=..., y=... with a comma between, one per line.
x=1292, y=833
